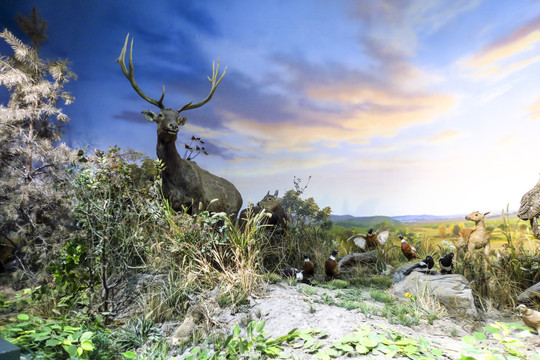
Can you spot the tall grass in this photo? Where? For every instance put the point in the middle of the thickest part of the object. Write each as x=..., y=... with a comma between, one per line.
x=512, y=268
x=208, y=251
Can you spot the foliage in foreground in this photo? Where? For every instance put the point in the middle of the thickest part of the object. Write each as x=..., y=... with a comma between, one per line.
x=364, y=341
x=34, y=211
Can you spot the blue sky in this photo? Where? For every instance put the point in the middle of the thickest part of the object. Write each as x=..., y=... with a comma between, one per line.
x=392, y=107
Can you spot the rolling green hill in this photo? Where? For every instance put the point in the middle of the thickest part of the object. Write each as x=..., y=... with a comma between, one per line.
x=350, y=221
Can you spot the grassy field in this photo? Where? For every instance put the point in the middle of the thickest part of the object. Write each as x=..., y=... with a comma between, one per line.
x=497, y=225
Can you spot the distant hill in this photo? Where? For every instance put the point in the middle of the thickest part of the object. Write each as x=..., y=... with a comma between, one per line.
x=349, y=221
x=423, y=217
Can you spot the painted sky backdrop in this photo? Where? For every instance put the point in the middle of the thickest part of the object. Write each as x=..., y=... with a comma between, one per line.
x=392, y=107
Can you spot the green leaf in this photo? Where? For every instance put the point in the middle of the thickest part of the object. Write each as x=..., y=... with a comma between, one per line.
x=260, y=326
x=332, y=353
x=480, y=336
x=129, y=355
x=436, y=352
x=345, y=347
x=71, y=350
x=361, y=349
x=87, y=345
x=491, y=329
x=469, y=340
x=369, y=343
x=410, y=349
x=52, y=342
x=323, y=356
x=236, y=330
x=23, y=317
x=87, y=335
x=405, y=342
x=273, y=350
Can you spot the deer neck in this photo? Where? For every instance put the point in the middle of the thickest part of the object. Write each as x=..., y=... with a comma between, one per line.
x=166, y=148
x=480, y=227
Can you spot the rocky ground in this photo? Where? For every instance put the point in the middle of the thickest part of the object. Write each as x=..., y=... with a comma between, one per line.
x=285, y=306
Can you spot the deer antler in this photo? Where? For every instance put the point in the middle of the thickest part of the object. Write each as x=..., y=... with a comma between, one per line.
x=215, y=82
x=129, y=74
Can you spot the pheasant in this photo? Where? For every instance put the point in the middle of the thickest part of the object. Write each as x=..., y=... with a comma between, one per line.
x=372, y=239
x=331, y=266
x=407, y=250
x=309, y=267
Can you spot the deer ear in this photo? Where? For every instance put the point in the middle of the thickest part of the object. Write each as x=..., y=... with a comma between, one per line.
x=276, y=193
x=181, y=120
x=489, y=212
x=149, y=115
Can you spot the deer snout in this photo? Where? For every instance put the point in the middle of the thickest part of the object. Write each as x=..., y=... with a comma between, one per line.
x=172, y=127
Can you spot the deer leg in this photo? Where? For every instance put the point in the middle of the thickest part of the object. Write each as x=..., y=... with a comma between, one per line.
x=486, y=255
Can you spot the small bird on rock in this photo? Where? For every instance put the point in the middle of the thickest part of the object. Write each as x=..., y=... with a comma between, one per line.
x=309, y=267
x=407, y=250
x=331, y=267
x=531, y=318
x=446, y=263
x=427, y=263
x=371, y=240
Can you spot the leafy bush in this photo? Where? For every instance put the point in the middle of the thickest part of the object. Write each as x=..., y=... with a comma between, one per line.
x=512, y=346
x=118, y=216
x=51, y=338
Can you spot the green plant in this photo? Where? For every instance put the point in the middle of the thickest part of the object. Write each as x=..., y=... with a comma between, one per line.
x=381, y=282
x=136, y=333
x=511, y=345
x=388, y=343
x=254, y=345
x=367, y=310
x=400, y=313
x=156, y=351
x=335, y=284
x=381, y=296
x=52, y=338
x=119, y=217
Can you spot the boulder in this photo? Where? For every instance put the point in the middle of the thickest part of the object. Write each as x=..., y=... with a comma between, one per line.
x=530, y=295
x=453, y=291
x=399, y=274
x=355, y=259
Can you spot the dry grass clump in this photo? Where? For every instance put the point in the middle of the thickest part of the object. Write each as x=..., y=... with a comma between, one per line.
x=206, y=251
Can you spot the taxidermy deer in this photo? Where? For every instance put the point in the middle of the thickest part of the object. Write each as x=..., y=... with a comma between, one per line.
x=477, y=239
x=184, y=183
x=276, y=214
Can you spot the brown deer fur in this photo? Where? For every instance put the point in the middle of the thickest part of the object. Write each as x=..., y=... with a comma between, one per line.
x=477, y=238
x=185, y=184
x=270, y=203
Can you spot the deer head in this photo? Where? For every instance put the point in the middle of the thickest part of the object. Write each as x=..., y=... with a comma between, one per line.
x=476, y=216
x=168, y=120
